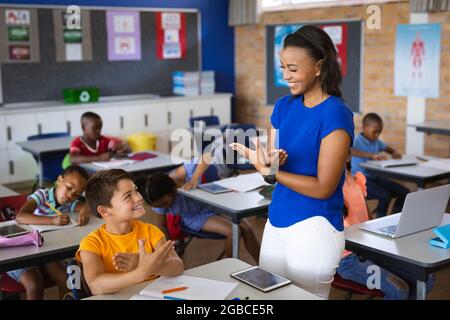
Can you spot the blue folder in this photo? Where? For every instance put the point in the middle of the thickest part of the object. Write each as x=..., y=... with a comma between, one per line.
x=443, y=239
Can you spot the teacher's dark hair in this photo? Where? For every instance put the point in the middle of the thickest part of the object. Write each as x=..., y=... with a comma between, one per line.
x=319, y=47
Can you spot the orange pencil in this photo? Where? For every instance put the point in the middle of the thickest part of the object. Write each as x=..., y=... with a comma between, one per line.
x=54, y=209
x=173, y=290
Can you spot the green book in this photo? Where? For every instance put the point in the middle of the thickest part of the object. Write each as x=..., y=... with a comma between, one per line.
x=72, y=36
x=18, y=33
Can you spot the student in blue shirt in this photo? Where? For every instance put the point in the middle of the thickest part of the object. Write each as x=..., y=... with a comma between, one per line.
x=303, y=238
x=366, y=147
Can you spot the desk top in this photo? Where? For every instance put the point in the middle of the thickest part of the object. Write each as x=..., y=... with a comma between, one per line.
x=235, y=202
x=55, y=242
x=39, y=146
x=413, y=248
x=5, y=192
x=220, y=270
x=161, y=162
x=416, y=171
x=435, y=126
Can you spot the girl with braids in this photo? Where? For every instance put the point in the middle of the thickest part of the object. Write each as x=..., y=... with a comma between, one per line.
x=304, y=235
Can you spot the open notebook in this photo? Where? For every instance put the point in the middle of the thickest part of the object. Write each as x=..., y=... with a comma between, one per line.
x=48, y=227
x=196, y=289
x=243, y=182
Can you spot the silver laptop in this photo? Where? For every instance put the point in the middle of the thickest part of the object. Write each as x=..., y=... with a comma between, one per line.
x=422, y=210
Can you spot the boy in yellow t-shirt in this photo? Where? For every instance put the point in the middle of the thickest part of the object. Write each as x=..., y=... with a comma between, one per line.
x=124, y=251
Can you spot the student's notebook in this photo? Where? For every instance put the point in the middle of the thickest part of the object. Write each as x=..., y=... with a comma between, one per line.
x=186, y=288
x=405, y=161
x=243, y=182
x=48, y=227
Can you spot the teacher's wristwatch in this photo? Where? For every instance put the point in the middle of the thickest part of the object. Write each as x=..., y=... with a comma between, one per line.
x=270, y=178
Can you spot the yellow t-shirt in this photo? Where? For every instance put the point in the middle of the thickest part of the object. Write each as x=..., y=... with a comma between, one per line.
x=106, y=245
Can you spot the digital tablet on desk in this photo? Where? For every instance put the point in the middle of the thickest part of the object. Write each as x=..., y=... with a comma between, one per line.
x=12, y=230
x=213, y=188
x=260, y=278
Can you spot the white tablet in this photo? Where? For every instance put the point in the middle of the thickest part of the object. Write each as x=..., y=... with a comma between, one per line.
x=260, y=278
x=213, y=188
x=12, y=230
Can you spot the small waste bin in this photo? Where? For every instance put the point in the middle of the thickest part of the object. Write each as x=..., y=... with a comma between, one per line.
x=142, y=142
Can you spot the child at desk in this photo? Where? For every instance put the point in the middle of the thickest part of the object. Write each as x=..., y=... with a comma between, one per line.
x=124, y=251
x=45, y=207
x=92, y=145
x=367, y=146
x=355, y=268
x=161, y=193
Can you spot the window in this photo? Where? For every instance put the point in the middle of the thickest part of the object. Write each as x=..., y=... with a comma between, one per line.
x=279, y=5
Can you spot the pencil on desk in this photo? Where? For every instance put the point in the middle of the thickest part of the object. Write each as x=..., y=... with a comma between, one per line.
x=54, y=209
x=174, y=290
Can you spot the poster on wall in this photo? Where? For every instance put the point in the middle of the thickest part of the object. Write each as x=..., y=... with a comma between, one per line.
x=124, y=35
x=337, y=33
x=170, y=35
x=417, y=60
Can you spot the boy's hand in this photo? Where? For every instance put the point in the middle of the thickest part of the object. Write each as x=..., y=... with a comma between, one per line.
x=124, y=261
x=149, y=263
x=378, y=156
x=61, y=220
x=105, y=156
x=396, y=155
x=119, y=149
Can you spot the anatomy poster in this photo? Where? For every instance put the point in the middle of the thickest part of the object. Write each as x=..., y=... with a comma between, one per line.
x=417, y=60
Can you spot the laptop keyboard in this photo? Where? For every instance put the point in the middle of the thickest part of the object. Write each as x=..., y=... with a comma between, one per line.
x=389, y=229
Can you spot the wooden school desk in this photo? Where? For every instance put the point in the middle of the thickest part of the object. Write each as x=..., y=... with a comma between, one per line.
x=220, y=270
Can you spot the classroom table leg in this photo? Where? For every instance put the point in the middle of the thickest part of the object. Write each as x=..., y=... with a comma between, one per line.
x=41, y=173
x=235, y=240
x=421, y=290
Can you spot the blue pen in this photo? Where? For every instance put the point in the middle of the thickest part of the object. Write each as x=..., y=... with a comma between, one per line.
x=172, y=298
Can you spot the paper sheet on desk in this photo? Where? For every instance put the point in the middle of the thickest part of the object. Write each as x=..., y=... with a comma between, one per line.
x=243, y=182
x=113, y=163
x=197, y=289
x=49, y=227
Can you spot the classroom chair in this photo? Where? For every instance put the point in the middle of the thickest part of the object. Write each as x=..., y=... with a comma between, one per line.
x=51, y=162
x=207, y=121
x=179, y=232
x=352, y=287
x=9, y=206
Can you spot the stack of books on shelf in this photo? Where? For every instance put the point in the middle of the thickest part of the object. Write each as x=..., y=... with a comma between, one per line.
x=186, y=83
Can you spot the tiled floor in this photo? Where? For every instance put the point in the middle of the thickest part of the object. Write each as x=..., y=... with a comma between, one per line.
x=201, y=251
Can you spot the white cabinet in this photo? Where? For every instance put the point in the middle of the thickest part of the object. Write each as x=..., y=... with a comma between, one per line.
x=19, y=127
x=178, y=114
x=22, y=164
x=54, y=121
x=143, y=117
x=3, y=133
x=4, y=166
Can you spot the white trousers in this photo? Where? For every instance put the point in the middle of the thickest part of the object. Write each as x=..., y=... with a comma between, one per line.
x=307, y=252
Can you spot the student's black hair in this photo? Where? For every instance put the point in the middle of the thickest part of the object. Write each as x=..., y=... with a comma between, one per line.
x=75, y=169
x=158, y=185
x=372, y=118
x=89, y=115
x=319, y=46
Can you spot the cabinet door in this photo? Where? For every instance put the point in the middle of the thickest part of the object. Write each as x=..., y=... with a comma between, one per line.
x=23, y=165
x=178, y=113
x=52, y=122
x=201, y=107
x=4, y=166
x=3, y=140
x=19, y=127
x=221, y=107
x=143, y=117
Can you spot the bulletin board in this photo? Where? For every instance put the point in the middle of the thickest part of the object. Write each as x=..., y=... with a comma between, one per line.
x=352, y=80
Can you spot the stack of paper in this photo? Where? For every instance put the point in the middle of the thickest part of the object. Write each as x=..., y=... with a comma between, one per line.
x=187, y=83
x=243, y=182
x=443, y=164
x=113, y=163
x=186, y=288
